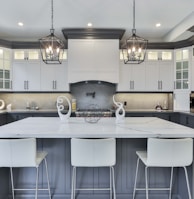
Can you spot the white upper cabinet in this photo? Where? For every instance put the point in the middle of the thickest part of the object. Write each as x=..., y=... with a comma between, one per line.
x=26, y=77
x=131, y=77
x=26, y=55
x=159, y=70
x=54, y=77
x=5, y=69
x=192, y=68
x=26, y=70
x=30, y=73
x=162, y=55
x=154, y=74
x=93, y=60
x=182, y=68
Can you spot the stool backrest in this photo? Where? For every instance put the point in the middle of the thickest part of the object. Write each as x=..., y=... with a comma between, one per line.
x=169, y=152
x=93, y=152
x=18, y=152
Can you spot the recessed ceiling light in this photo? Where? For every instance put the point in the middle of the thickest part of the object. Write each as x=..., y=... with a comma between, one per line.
x=158, y=25
x=89, y=24
x=20, y=24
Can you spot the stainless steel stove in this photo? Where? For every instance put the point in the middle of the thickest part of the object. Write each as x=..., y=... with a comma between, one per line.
x=93, y=113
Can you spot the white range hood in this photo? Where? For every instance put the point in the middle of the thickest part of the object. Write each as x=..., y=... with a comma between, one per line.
x=93, y=59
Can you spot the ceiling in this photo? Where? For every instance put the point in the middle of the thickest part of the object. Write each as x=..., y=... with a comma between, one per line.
x=175, y=16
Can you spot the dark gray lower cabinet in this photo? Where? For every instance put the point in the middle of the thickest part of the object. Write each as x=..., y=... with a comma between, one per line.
x=187, y=120
x=3, y=119
x=59, y=166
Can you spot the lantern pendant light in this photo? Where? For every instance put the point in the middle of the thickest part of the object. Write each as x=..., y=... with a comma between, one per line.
x=51, y=47
x=135, y=47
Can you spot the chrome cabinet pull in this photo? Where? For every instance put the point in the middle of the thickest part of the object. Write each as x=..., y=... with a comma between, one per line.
x=55, y=84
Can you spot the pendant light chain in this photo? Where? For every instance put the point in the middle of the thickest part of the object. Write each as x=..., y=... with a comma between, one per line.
x=52, y=29
x=52, y=47
x=135, y=48
x=133, y=14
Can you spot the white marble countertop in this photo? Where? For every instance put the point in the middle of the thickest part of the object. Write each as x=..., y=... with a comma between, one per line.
x=134, y=127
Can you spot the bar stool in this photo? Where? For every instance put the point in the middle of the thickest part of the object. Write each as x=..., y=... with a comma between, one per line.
x=165, y=153
x=93, y=153
x=22, y=153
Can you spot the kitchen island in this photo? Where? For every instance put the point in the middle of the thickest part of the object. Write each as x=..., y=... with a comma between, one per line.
x=54, y=136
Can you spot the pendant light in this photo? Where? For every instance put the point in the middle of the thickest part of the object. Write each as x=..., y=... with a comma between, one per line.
x=51, y=47
x=135, y=49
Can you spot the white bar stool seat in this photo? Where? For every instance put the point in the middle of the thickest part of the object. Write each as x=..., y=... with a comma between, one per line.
x=165, y=153
x=23, y=153
x=93, y=153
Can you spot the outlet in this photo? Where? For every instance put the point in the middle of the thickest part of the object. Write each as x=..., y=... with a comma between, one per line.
x=125, y=103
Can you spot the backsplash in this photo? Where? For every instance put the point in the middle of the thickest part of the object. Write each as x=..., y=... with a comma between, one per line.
x=41, y=100
x=85, y=97
x=93, y=93
x=146, y=100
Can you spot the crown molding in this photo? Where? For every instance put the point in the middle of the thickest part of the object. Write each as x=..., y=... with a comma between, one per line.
x=92, y=33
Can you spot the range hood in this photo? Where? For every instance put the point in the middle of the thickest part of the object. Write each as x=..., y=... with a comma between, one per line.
x=93, y=57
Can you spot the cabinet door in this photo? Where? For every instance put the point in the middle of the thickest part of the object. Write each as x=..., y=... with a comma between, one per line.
x=61, y=78
x=152, y=76
x=138, y=77
x=47, y=77
x=124, y=77
x=19, y=76
x=166, y=76
x=54, y=77
x=33, y=77
x=26, y=76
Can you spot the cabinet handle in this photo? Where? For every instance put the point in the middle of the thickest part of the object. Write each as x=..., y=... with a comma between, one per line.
x=25, y=85
x=55, y=84
x=159, y=85
x=11, y=84
x=133, y=84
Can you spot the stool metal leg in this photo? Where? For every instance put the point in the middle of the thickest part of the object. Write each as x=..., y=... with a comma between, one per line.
x=12, y=184
x=187, y=180
x=170, y=188
x=113, y=183
x=146, y=181
x=36, y=191
x=48, y=184
x=73, y=183
x=135, y=183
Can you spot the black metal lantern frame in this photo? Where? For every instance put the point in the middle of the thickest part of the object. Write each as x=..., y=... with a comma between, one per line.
x=51, y=47
x=135, y=48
